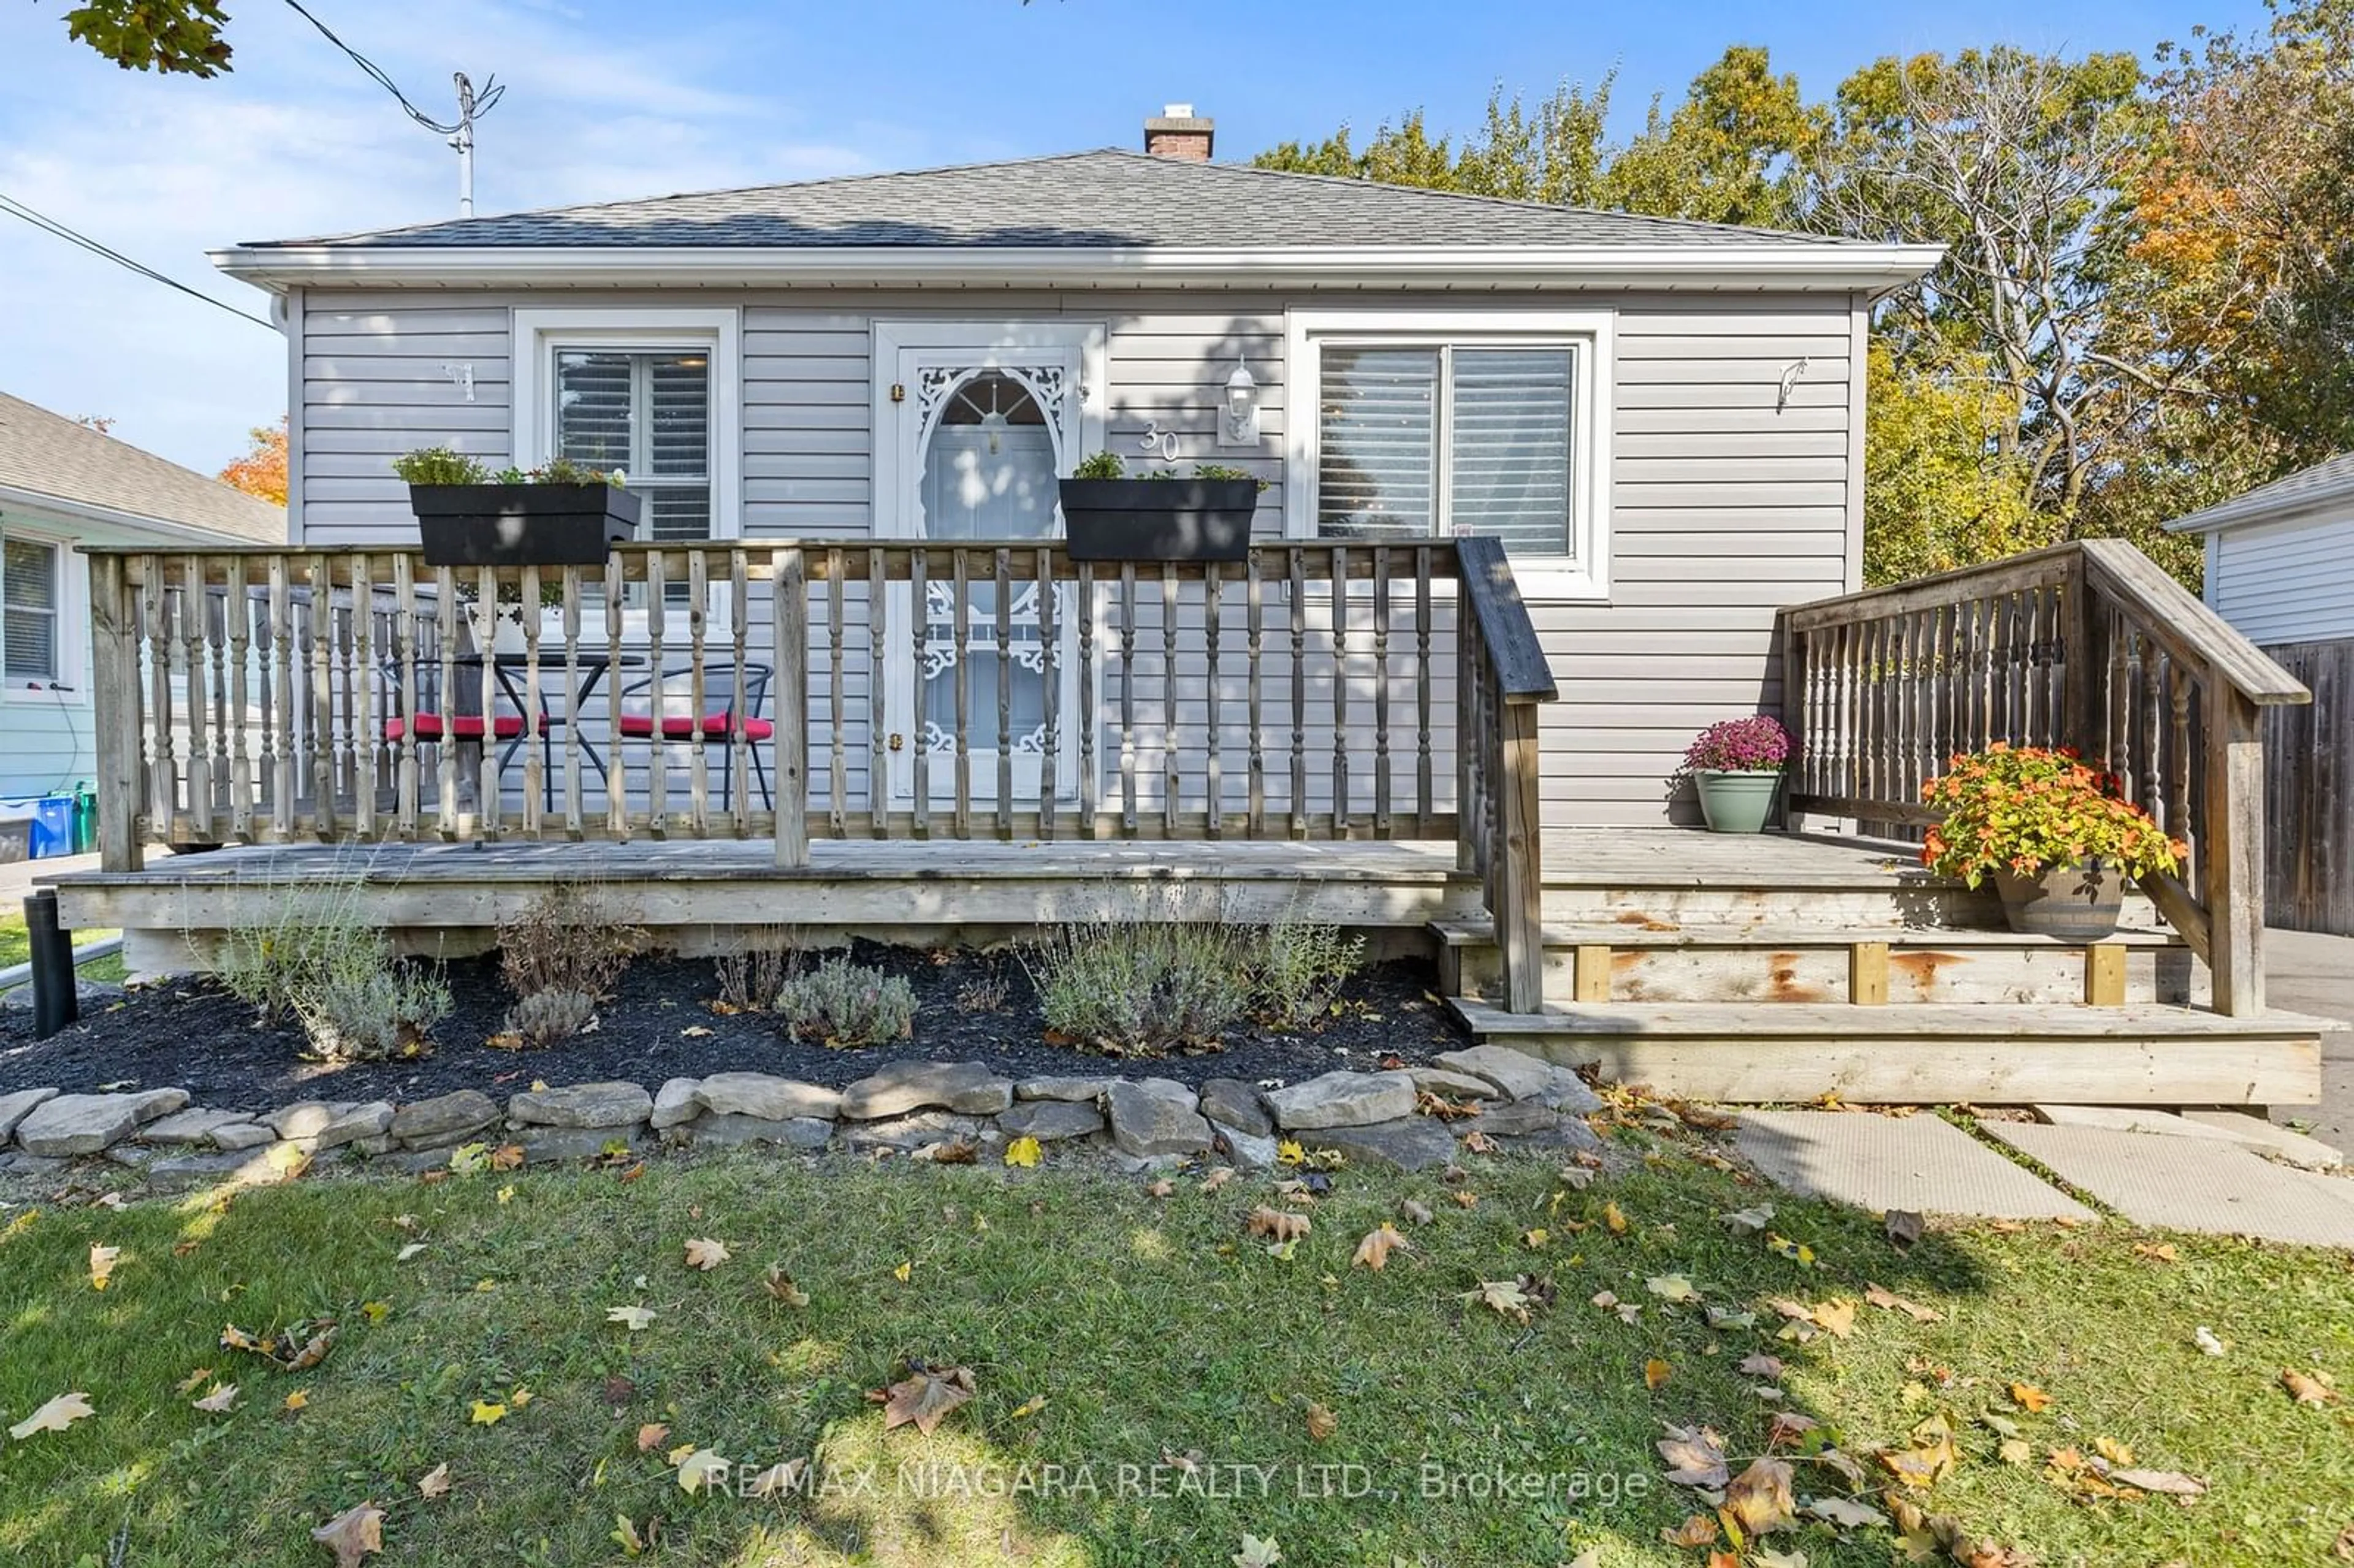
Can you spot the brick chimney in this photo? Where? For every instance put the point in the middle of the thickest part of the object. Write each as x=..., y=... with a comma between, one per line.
x=1178, y=133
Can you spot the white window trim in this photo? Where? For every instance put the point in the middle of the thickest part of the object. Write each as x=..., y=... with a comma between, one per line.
x=538, y=335
x=71, y=619
x=1584, y=579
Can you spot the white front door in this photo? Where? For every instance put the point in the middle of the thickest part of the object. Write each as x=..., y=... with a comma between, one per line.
x=974, y=426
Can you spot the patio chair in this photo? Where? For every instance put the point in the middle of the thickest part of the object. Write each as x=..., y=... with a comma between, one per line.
x=716, y=725
x=434, y=725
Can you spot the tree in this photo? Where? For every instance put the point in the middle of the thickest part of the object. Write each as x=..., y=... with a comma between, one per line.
x=1730, y=151
x=1551, y=152
x=168, y=37
x=261, y=471
x=1938, y=493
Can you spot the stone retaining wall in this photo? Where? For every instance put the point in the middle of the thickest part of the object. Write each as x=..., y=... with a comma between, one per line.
x=918, y=1108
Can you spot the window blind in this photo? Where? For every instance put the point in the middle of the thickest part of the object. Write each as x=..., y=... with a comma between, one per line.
x=28, y=610
x=1377, y=444
x=1509, y=447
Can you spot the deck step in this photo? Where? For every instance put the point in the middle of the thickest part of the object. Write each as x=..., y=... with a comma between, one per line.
x=1708, y=962
x=1932, y=1052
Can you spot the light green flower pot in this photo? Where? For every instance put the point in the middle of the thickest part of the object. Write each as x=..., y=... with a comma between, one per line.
x=1735, y=803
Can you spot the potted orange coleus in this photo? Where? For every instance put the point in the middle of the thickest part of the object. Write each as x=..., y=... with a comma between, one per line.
x=2055, y=835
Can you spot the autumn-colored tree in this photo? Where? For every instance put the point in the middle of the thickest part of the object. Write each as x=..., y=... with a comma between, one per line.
x=168, y=37
x=1728, y=153
x=261, y=470
x=1938, y=492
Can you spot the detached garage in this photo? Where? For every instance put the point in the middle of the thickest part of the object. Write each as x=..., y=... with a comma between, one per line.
x=2280, y=568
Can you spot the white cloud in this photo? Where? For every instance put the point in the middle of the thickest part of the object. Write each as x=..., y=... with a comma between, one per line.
x=297, y=141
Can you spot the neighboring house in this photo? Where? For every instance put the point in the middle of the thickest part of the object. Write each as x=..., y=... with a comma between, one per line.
x=1663, y=419
x=2280, y=568
x=63, y=484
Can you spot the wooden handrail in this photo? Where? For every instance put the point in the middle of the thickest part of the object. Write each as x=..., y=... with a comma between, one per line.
x=2086, y=645
x=1522, y=672
x=1501, y=834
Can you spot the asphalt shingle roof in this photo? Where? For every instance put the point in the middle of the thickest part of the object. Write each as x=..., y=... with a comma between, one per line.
x=2325, y=481
x=51, y=455
x=1104, y=199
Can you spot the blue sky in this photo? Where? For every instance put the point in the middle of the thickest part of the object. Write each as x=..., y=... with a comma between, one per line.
x=621, y=98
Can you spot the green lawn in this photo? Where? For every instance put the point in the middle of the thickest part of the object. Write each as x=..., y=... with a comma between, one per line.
x=15, y=947
x=1150, y=1329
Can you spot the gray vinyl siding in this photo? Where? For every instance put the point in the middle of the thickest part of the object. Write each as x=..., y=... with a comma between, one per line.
x=1723, y=508
x=2286, y=582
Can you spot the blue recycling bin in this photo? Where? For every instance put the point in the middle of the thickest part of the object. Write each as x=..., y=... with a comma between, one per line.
x=53, y=826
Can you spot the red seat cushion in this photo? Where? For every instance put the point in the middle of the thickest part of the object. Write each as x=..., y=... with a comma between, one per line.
x=465, y=727
x=681, y=726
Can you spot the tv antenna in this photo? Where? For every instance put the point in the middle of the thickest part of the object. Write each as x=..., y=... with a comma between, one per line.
x=459, y=134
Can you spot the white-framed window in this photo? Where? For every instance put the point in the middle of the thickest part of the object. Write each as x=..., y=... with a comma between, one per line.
x=1428, y=424
x=655, y=392
x=32, y=596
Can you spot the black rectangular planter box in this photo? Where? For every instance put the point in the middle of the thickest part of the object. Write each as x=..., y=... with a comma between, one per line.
x=523, y=525
x=1159, y=519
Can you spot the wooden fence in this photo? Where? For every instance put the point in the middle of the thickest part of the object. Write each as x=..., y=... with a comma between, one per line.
x=2086, y=645
x=2309, y=793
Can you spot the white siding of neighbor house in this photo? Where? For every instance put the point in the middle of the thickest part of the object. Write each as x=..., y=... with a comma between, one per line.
x=1723, y=506
x=2284, y=582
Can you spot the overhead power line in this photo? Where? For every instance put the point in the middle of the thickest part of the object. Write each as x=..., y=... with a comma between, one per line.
x=458, y=134
x=47, y=225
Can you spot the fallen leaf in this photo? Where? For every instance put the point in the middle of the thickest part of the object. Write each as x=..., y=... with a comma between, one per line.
x=1028, y=1407
x=1614, y=1218
x=2030, y=1398
x=1505, y=1296
x=2114, y=1452
x=1699, y=1530
x=1761, y=1365
x=1696, y=1458
x=1846, y=1513
x=781, y=1287
x=1891, y=1302
x=412, y=1250
x=2305, y=1389
x=705, y=1253
x=1767, y=1557
x=1931, y=1457
x=1418, y=1212
x=1276, y=1225
x=652, y=1435
x=695, y=1032
x=353, y=1534
x=625, y=1536
x=1835, y=1317
x=220, y=1402
x=1759, y=1498
x=487, y=1414
x=1749, y=1222
x=2157, y=1252
x=1217, y=1178
x=1672, y=1287
x=1375, y=1251
x=434, y=1483
x=195, y=1379
x=1465, y=1199
x=1786, y=1427
x=1903, y=1227
x=926, y=1397
x=1656, y=1372
x=1164, y=1188
x=2173, y=1483
x=777, y=1478
x=702, y=1469
x=2015, y=1451
x=1535, y=1240
x=102, y=1265
x=904, y=1272
x=55, y=1417
x=634, y=1318
x=2204, y=1338
x=1258, y=1553
x=1022, y=1151
x=506, y=1157
x=1322, y=1423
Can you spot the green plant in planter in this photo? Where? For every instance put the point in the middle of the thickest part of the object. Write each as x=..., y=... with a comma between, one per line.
x=1735, y=766
x=2026, y=811
x=440, y=465
x=1100, y=465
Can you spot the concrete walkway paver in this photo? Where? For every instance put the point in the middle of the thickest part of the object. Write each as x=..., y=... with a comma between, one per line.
x=2307, y=972
x=2192, y=1184
x=1879, y=1163
x=2269, y=1138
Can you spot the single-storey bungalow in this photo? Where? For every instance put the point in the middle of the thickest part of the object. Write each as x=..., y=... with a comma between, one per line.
x=63, y=483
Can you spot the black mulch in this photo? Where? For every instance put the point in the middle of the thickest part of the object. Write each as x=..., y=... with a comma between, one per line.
x=196, y=1036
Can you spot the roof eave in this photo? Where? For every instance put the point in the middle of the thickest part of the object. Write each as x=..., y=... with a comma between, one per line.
x=72, y=509
x=1722, y=265
x=2325, y=503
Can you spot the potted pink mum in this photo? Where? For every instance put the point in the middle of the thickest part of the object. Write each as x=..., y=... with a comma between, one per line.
x=1735, y=766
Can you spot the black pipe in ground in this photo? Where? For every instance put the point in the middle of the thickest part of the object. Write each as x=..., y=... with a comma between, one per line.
x=57, y=997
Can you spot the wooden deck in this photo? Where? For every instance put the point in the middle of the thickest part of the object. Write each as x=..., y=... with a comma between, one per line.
x=1768, y=967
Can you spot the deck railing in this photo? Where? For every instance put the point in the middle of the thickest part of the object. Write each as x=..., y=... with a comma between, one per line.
x=792, y=689
x=2086, y=645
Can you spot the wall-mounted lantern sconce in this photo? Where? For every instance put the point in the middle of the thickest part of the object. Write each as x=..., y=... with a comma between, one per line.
x=1239, y=426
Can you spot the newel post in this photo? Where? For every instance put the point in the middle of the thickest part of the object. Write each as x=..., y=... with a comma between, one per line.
x=2232, y=857
x=788, y=581
x=1520, y=877
x=114, y=696
x=2085, y=659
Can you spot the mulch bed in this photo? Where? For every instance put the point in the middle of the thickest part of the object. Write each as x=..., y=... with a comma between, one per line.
x=193, y=1035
